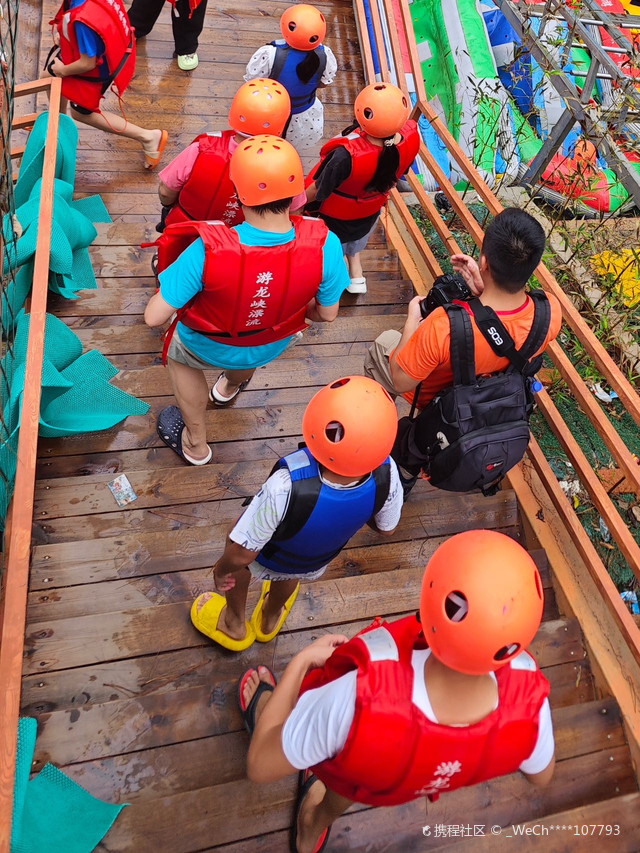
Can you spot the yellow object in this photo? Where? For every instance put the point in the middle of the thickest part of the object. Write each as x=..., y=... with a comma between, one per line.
x=624, y=266
x=256, y=618
x=206, y=621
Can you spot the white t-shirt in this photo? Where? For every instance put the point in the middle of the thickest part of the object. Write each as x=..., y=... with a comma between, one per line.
x=318, y=726
x=267, y=509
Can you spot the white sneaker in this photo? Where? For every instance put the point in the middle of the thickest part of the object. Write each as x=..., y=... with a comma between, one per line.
x=188, y=61
x=358, y=285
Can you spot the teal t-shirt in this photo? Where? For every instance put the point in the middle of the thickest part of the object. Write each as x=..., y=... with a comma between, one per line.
x=180, y=282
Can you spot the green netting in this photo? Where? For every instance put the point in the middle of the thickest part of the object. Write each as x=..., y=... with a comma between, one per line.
x=51, y=812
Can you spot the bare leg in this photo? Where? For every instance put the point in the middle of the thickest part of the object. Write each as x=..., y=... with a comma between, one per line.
x=192, y=393
x=319, y=810
x=279, y=592
x=232, y=621
x=114, y=123
x=355, y=266
x=233, y=379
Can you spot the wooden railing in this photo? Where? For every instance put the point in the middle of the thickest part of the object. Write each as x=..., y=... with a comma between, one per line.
x=587, y=588
x=18, y=533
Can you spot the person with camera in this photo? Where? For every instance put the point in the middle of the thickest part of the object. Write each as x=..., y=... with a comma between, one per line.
x=502, y=319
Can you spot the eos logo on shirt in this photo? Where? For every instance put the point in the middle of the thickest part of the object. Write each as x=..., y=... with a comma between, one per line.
x=496, y=337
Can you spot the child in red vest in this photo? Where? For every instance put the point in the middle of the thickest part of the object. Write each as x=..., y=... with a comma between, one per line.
x=357, y=170
x=436, y=701
x=97, y=52
x=302, y=64
x=196, y=184
x=315, y=500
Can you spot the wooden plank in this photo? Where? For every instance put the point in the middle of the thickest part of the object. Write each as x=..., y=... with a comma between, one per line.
x=141, y=551
x=162, y=771
x=224, y=813
x=609, y=825
x=579, y=578
x=124, y=706
x=17, y=567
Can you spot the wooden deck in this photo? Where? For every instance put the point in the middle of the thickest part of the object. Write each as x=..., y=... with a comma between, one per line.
x=131, y=701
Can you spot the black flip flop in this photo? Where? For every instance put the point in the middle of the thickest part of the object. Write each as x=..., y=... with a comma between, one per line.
x=170, y=428
x=249, y=713
x=305, y=784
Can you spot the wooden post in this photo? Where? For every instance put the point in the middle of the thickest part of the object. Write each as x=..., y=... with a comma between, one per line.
x=19, y=547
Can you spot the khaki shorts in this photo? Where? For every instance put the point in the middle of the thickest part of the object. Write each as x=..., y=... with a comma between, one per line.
x=178, y=352
x=376, y=361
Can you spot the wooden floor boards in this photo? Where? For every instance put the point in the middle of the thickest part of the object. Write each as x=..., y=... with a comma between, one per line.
x=133, y=702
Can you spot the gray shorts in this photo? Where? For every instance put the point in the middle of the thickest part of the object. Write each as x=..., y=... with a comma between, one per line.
x=259, y=572
x=178, y=352
x=354, y=247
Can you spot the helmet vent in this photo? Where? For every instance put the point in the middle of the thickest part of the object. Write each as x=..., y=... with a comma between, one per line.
x=313, y=39
x=456, y=606
x=292, y=26
x=367, y=113
x=262, y=186
x=380, y=87
x=539, y=585
x=507, y=651
x=266, y=124
x=340, y=382
x=334, y=432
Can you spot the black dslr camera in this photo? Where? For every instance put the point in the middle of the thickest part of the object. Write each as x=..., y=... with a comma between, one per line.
x=446, y=288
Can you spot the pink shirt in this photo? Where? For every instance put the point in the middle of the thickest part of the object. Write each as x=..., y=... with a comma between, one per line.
x=176, y=174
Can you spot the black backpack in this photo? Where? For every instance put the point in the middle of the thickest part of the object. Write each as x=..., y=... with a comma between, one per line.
x=473, y=432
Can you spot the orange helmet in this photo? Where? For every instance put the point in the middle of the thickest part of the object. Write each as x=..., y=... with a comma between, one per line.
x=350, y=426
x=264, y=169
x=381, y=110
x=481, y=602
x=260, y=106
x=303, y=27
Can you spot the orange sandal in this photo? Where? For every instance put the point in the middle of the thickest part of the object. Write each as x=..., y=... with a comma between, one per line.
x=152, y=162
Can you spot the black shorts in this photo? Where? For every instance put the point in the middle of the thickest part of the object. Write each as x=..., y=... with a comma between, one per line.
x=82, y=110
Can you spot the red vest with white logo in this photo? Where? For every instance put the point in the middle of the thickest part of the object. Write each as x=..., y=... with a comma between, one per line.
x=252, y=295
x=352, y=199
x=208, y=192
x=109, y=19
x=393, y=753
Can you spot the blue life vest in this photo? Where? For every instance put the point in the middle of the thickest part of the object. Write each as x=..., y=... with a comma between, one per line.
x=284, y=68
x=320, y=520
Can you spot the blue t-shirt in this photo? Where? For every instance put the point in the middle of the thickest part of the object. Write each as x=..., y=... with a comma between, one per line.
x=180, y=282
x=89, y=42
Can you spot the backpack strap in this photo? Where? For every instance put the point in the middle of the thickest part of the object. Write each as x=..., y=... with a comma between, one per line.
x=499, y=339
x=322, y=56
x=302, y=500
x=282, y=52
x=540, y=326
x=382, y=476
x=462, y=345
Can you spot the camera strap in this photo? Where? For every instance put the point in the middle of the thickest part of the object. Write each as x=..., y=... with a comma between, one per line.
x=499, y=339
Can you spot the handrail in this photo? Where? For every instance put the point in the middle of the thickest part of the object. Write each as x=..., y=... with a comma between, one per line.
x=398, y=211
x=14, y=605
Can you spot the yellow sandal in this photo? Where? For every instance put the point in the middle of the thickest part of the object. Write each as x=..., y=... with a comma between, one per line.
x=256, y=617
x=206, y=621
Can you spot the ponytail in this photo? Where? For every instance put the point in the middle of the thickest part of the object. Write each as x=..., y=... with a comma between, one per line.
x=308, y=67
x=385, y=177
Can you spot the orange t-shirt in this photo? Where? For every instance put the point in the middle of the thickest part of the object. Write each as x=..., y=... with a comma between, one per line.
x=426, y=356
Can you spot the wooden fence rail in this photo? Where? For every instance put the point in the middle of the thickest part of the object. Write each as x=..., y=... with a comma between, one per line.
x=18, y=548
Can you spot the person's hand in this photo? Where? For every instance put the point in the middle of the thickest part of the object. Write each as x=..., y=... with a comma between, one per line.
x=57, y=68
x=223, y=582
x=319, y=652
x=468, y=268
x=413, y=310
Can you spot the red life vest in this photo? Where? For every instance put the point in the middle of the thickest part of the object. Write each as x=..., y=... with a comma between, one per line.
x=109, y=19
x=208, y=193
x=352, y=200
x=252, y=295
x=393, y=753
